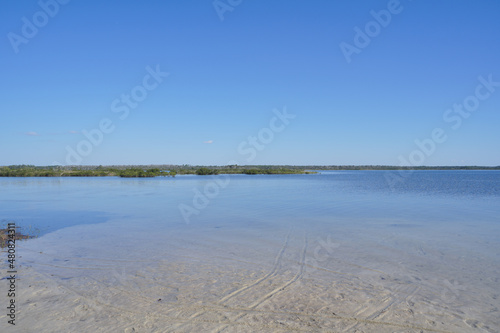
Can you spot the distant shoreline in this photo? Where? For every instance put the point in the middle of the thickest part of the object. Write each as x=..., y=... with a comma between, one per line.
x=142, y=171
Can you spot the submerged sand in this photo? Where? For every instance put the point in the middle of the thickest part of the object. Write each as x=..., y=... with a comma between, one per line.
x=293, y=277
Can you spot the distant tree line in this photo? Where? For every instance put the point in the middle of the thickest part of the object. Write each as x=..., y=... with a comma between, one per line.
x=206, y=171
x=133, y=171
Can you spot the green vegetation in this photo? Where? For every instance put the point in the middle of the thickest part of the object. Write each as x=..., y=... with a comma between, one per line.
x=172, y=170
x=134, y=172
x=84, y=171
x=206, y=171
x=279, y=171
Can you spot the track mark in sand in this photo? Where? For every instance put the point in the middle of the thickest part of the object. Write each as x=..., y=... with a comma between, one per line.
x=301, y=315
x=277, y=262
x=295, y=278
x=476, y=324
x=386, y=303
x=94, y=303
x=380, y=312
x=421, y=251
x=276, y=265
x=275, y=291
x=258, y=326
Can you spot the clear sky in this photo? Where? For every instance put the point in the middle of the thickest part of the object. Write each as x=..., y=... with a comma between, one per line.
x=363, y=80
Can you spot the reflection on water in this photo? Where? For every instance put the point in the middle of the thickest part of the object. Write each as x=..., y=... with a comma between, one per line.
x=342, y=251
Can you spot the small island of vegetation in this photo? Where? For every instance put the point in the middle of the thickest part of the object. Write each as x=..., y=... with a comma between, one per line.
x=141, y=171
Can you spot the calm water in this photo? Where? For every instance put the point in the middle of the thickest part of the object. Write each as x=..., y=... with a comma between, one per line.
x=434, y=229
x=425, y=198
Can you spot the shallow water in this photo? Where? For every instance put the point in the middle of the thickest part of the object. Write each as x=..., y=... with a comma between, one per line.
x=334, y=251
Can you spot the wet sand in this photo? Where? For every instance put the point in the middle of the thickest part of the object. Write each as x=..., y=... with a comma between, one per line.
x=292, y=277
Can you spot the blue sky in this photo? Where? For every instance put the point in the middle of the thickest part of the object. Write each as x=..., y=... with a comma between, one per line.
x=226, y=76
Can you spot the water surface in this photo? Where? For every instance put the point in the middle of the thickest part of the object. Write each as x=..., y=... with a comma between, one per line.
x=337, y=250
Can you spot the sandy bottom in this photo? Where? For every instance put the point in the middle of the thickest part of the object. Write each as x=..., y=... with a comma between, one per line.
x=286, y=278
